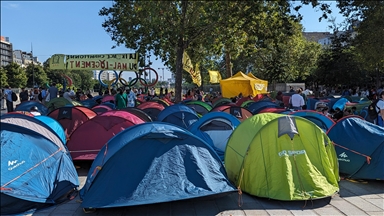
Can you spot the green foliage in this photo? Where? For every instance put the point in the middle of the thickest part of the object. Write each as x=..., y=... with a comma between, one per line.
x=16, y=75
x=40, y=76
x=3, y=77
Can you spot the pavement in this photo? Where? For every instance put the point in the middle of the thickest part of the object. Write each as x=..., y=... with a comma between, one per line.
x=354, y=198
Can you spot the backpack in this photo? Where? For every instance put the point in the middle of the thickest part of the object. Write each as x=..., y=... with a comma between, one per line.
x=14, y=96
x=372, y=112
x=40, y=97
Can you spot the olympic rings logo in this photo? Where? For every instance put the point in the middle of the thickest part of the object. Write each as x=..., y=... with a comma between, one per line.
x=131, y=83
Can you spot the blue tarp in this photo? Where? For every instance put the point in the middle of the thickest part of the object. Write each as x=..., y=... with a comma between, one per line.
x=54, y=125
x=364, y=138
x=341, y=103
x=178, y=114
x=35, y=172
x=153, y=163
x=215, y=128
x=26, y=106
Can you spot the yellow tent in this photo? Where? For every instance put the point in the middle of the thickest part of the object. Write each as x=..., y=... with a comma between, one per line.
x=241, y=83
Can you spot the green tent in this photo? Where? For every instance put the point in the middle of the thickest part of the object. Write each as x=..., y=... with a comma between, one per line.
x=282, y=157
x=60, y=102
x=200, y=107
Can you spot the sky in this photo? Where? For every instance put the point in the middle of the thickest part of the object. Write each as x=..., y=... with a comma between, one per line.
x=74, y=27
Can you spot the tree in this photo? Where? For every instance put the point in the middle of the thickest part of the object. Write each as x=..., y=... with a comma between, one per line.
x=16, y=75
x=170, y=27
x=367, y=19
x=3, y=77
x=40, y=76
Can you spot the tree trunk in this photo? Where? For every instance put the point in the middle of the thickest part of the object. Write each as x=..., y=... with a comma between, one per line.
x=179, y=70
x=228, y=64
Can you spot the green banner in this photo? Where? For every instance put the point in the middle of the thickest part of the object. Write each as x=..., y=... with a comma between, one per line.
x=122, y=62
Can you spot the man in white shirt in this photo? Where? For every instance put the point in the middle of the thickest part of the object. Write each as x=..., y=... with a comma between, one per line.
x=296, y=100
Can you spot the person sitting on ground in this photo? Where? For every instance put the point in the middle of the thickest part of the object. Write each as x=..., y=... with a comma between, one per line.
x=35, y=111
x=279, y=99
x=338, y=114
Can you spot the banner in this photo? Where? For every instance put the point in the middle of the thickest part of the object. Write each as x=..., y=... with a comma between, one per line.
x=195, y=72
x=214, y=76
x=122, y=62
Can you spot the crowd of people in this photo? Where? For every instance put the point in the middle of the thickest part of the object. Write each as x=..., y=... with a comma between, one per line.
x=126, y=97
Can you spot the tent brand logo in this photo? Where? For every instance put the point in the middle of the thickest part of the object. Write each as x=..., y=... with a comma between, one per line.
x=286, y=153
x=343, y=157
x=65, y=112
x=10, y=163
x=13, y=164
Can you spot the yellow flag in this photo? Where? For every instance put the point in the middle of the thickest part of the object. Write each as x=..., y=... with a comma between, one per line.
x=195, y=72
x=214, y=76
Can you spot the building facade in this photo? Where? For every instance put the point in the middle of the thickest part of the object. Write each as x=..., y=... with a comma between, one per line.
x=6, y=51
x=106, y=75
x=23, y=58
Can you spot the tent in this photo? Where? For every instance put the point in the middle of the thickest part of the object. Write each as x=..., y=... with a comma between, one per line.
x=242, y=83
x=26, y=106
x=282, y=157
x=153, y=163
x=54, y=125
x=215, y=128
x=179, y=115
x=222, y=101
x=89, y=103
x=108, y=98
x=263, y=84
x=139, y=113
x=84, y=145
x=256, y=107
x=356, y=140
x=56, y=103
x=109, y=104
x=161, y=101
x=240, y=113
x=101, y=109
x=151, y=108
x=200, y=107
x=71, y=118
x=36, y=171
x=322, y=121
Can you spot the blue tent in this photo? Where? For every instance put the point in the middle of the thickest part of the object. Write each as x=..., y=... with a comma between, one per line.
x=356, y=139
x=341, y=104
x=152, y=163
x=178, y=114
x=109, y=104
x=256, y=107
x=319, y=119
x=36, y=172
x=26, y=106
x=54, y=125
x=215, y=128
x=38, y=126
x=89, y=103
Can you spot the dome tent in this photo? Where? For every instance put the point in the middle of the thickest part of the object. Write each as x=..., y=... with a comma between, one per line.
x=282, y=157
x=161, y=163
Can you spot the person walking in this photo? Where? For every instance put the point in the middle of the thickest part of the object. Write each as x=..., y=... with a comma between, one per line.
x=8, y=97
x=23, y=95
x=380, y=109
x=120, y=101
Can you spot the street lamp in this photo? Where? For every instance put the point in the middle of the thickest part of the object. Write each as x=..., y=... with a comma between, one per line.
x=163, y=72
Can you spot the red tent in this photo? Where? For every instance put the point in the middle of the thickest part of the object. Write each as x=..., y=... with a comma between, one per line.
x=240, y=113
x=108, y=98
x=151, y=108
x=71, y=118
x=99, y=109
x=84, y=145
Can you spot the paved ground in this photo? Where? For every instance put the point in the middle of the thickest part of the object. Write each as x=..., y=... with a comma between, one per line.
x=355, y=198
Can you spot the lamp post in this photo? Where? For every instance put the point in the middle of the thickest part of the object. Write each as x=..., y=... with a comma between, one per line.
x=163, y=72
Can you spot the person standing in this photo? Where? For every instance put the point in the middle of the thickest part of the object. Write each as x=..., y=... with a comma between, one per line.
x=53, y=91
x=297, y=101
x=380, y=109
x=8, y=98
x=131, y=98
x=120, y=101
x=23, y=95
